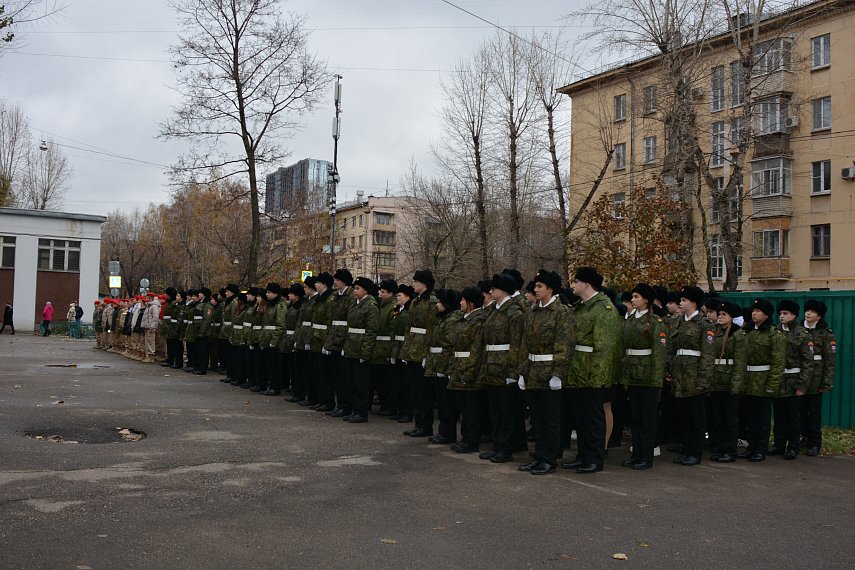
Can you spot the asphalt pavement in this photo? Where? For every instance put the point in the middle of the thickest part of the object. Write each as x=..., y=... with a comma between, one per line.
x=230, y=479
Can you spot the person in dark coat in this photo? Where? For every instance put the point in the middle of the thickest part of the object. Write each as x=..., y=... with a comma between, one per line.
x=7, y=319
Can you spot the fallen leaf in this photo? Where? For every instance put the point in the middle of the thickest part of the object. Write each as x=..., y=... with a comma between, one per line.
x=620, y=556
x=643, y=505
x=440, y=528
x=102, y=536
x=57, y=402
x=828, y=525
x=607, y=528
x=388, y=541
x=83, y=567
x=643, y=544
x=247, y=402
x=167, y=376
x=16, y=386
x=567, y=556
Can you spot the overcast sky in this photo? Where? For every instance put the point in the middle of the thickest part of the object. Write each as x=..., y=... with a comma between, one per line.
x=114, y=104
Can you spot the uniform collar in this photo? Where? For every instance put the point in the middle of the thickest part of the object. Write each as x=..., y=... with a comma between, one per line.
x=639, y=314
x=810, y=327
x=692, y=316
x=539, y=304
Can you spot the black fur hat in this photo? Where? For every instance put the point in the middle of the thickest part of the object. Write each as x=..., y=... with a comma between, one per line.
x=389, y=285
x=342, y=274
x=763, y=305
x=789, y=305
x=474, y=295
x=505, y=282
x=449, y=298
x=548, y=278
x=589, y=275
x=425, y=276
x=816, y=305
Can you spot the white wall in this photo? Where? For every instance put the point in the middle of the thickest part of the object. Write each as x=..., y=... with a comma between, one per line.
x=26, y=261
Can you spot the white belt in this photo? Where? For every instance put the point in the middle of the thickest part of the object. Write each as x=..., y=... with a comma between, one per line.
x=540, y=357
x=384, y=338
x=462, y=354
x=687, y=352
x=186, y=322
x=339, y=323
x=498, y=347
x=761, y=368
x=289, y=332
x=399, y=338
x=792, y=370
x=256, y=327
x=817, y=357
x=583, y=348
x=307, y=323
x=197, y=318
x=355, y=331
x=227, y=323
x=417, y=330
x=319, y=327
x=638, y=352
x=270, y=327
x=238, y=327
x=436, y=350
x=247, y=325
x=723, y=362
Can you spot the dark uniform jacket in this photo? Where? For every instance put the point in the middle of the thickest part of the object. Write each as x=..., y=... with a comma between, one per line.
x=821, y=375
x=766, y=354
x=228, y=306
x=421, y=320
x=321, y=320
x=502, y=337
x=240, y=320
x=644, y=341
x=303, y=334
x=216, y=322
x=549, y=336
x=400, y=324
x=384, y=341
x=597, y=348
x=292, y=321
x=799, y=357
x=467, y=344
x=728, y=370
x=690, y=355
x=341, y=301
x=273, y=323
x=362, y=322
x=441, y=347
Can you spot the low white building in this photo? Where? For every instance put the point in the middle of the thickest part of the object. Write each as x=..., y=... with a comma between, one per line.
x=48, y=256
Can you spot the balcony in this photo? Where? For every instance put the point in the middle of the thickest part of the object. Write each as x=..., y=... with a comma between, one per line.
x=774, y=83
x=772, y=144
x=772, y=206
x=770, y=269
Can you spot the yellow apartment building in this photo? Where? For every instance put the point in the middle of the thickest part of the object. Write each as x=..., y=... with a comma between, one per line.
x=798, y=148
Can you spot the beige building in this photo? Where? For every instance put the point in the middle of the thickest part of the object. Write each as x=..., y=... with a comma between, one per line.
x=792, y=130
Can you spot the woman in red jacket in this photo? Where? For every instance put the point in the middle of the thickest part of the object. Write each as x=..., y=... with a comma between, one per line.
x=47, y=317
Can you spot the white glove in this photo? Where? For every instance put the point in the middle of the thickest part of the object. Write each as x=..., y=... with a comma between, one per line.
x=424, y=362
x=391, y=361
x=510, y=381
x=342, y=352
x=521, y=382
x=251, y=347
x=307, y=347
x=438, y=375
x=325, y=352
x=555, y=383
x=361, y=360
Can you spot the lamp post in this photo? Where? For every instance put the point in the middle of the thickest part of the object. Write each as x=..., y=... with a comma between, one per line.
x=333, y=177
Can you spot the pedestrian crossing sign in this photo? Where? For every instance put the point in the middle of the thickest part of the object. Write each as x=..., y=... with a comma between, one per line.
x=305, y=274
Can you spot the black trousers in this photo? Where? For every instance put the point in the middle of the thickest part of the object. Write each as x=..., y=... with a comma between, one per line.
x=399, y=389
x=173, y=351
x=360, y=386
x=692, y=416
x=545, y=409
x=504, y=416
x=298, y=381
x=380, y=384
x=201, y=359
x=788, y=423
x=590, y=418
x=643, y=407
x=759, y=410
x=724, y=409
x=811, y=417
x=519, y=439
x=667, y=431
x=323, y=378
x=224, y=350
x=568, y=423
x=255, y=367
x=272, y=378
x=213, y=353
x=424, y=394
x=343, y=380
x=620, y=413
x=470, y=404
x=446, y=408
x=309, y=375
x=191, y=353
x=237, y=367
x=2, y=328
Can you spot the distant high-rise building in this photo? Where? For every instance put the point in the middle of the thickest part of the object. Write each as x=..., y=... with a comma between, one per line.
x=301, y=187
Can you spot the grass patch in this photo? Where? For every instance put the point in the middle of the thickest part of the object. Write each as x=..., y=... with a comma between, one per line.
x=838, y=441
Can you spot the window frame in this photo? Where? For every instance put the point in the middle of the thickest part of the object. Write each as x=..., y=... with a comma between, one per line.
x=772, y=56
x=650, y=99
x=771, y=115
x=821, y=111
x=619, y=205
x=737, y=84
x=823, y=42
x=820, y=173
x=783, y=183
x=650, y=149
x=769, y=248
x=620, y=156
x=54, y=247
x=620, y=107
x=820, y=235
x=7, y=244
x=717, y=89
x=717, y=144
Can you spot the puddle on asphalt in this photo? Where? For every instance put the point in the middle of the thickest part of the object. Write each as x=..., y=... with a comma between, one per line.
x=88, y=365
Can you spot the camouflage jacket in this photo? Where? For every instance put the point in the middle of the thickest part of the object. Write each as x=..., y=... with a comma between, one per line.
x=690, y=356
x=272, y=324
x=362, y=320
x=167, y=327
x=766, y=354
x=728, y=353
x=400, y=325
x=216, y=321
x=549, y=335
x=292, y=320
x=799, y=357
x=96, y=318
x=502, y=337
x=228, y=318
x=341, y=301
x=385, y=333
x=321, y=320
x=467, y=352
x=303, y=333
x=645, y=343
x=441, y=347
x=597, y=348
x=240, y=320
x=201, y=320
x=824, y=345
x=417, y=338
x=107, y=318
x=189, y=332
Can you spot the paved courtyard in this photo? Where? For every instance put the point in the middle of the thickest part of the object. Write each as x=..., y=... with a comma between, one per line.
x=230, y=479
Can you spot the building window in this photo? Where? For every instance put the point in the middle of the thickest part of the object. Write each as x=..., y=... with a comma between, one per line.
x=737, y=131
x=820, y=240
x=771, y=114
x=620, y=156
x=821, y=177
x=360, y=242
x=620, y=107
x=353, y=222
x=360, y=220
x=7, y=252
x=717, y=91
x=618, y=205
x=382, y=219
x=650, y=99
x=737, y=84
x=384, y=238
x=716, y=258
x=771, y=177
x=771, y=56
x=59, y=255
x=821, y=51
x=650, y=193
x=770, y=243
x=352, y=242
x=344, y=223
x=649, y=150
x=821, y=113
x=717, y=155
x=384, y=259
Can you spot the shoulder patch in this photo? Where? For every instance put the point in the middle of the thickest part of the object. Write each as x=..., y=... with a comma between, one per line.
x=810, y=346
x=663, y=338
x=710, y=337
x=833, y=346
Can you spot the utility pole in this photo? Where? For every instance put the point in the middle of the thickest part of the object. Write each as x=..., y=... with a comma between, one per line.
x=333, y=177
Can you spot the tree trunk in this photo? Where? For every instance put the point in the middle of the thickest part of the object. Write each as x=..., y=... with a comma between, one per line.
x=480, y=207
x=559, y=189
x=512, y=174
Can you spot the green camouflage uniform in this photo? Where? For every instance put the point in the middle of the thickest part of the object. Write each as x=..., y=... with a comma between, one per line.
x=502, y=337
x=598, y=326
x=690, y=356
x=439, y=354
x=363, y=319
x=644, y=340
x=342, y=301
x=467, y=344
x=385, y=333
x=799, y=357
x=303, y=333
x=292, y=321
x=421, y=320
x=728, y=352
x=766, y=348
x=189, y=330
x=824, y=345
x=228, y=319
x=400, y=325
x=321, y=320
x=241, y=325
x=549, y=335
x=273, y=324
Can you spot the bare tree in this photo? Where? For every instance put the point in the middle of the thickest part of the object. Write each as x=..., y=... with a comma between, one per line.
x=246, y=76
x=46, y=179
x=16, y=14
x=14, y=141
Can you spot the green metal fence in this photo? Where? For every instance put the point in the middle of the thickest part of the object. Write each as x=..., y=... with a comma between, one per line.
x=838, y=407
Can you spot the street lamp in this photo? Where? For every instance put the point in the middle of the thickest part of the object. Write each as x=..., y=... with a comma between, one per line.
x=333, y=177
